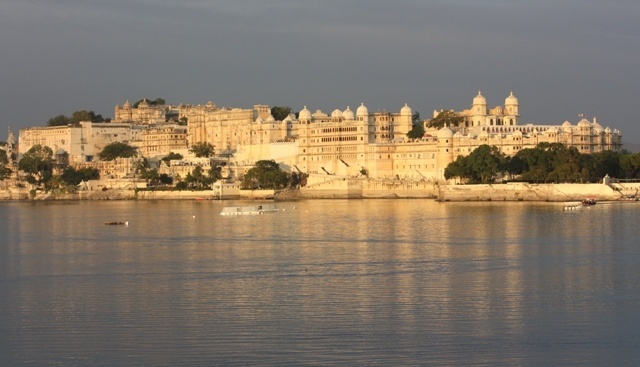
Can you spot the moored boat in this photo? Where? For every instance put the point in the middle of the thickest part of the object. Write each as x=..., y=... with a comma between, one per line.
x=589, y=200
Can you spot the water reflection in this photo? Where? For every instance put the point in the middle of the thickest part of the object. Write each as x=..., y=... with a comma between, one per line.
x=409, y=282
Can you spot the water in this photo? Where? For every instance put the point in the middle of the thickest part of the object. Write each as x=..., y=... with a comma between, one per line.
x=357, y=283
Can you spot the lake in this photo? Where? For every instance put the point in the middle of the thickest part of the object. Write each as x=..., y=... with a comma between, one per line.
x=319, y=283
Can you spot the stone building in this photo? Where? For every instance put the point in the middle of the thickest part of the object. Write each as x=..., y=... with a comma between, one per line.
x=344, y=143
x=81, y=143
x=159, y=141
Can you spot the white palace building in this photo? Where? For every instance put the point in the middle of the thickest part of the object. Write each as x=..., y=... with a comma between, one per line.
x=343, y=143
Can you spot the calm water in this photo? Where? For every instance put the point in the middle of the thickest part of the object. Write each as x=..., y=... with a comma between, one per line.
x=350, y=283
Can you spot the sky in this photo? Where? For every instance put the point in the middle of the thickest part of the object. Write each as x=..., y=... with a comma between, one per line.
x=561, y=58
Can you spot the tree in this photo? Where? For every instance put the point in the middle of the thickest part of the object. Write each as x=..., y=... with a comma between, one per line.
x=71, y=176
x=155, y=102
x=85, y=115
x=417, y=129
x=481, y=166
x=446, y=118
x=172, y=157
x=38, y=164
x=280, y=112
x=117, y=150
x=60, y=120
x=3, y=157
x=205, y=150
x=4, y=161
x=265, y=175
x=630, y=165
x=75, y=119
x=5, y=172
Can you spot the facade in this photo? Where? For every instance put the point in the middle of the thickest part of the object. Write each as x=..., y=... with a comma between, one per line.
x=81, y=143
x=143, y=114
x=343, y=143
x=159, y=141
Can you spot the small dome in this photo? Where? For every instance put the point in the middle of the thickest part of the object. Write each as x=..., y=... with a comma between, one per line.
x=259, y=120
x=517, y=133
x=126, y=105
x=271, y=118
x=511, y=100
x=566, y=124
x=406, y=110
x=144, y=103
x=288, y=119
x=336, y=113
x=348, y=114
x=445, y=132
x=362, y=110
x=607, y=130
x=305, y=114
x=479, y=99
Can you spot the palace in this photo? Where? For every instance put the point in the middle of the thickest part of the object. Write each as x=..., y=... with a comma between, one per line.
x=343, y=143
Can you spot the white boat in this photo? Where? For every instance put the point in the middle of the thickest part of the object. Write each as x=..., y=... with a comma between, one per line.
x=249, y=210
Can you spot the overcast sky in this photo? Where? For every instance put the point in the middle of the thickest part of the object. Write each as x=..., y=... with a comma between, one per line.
x=560, y=58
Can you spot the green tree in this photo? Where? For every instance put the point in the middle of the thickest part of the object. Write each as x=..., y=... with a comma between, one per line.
x=60, y=120
x=205, y=150
x=3, y=157
x=75, y=119
x=117, y=150
x=5, y=172
x=265, y=175
x=481, y=166
x=417, y=128
x=37, y=163
x=71, y=176
x=446, y=118
x=198, y=179
x=280, y=112
x=85, y=115
x=155, y=102
x=630, y=165
x=172, y=157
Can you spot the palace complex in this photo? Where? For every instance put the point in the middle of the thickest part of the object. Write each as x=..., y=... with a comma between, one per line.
x=343, y=143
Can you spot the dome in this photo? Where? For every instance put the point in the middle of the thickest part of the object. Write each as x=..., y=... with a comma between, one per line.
x=305, y=114
x=259, y=120
x=271, y=118
x=348, y=114
x=445, y=132
x=607, y=130
x=406, y=110
x=336, y=113
x=566, y=124
x=479, y=99
x=517, y=133
x=362, y=110
x=584, y=123
x=144, y=103
x=126, y=105
x=511, y=100
x=287, y=119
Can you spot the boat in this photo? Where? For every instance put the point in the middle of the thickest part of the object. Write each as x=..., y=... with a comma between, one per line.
x=117, y=223
x=588, y=201
x=249, y=210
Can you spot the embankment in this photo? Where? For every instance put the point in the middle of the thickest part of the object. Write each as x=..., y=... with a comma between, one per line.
x=534, y=192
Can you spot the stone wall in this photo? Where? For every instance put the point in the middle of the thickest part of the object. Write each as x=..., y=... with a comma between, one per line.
x=534, y=192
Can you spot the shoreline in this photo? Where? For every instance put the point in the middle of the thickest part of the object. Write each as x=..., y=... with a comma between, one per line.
x=364, y=189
